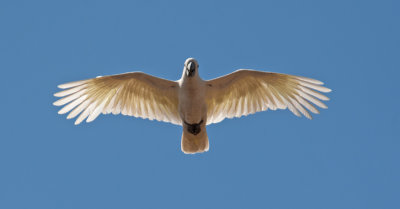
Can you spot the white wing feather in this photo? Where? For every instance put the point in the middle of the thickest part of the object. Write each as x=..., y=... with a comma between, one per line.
x=135, y=94
x=245, y=92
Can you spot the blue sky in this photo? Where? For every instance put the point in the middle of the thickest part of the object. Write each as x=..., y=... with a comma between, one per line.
x=347, y=157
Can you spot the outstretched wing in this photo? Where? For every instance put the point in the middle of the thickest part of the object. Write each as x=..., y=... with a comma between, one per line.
x=135, y=94
x=245, y=92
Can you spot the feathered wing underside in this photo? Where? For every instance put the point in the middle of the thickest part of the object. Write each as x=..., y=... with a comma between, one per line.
x=245, y=92
x=135, y=94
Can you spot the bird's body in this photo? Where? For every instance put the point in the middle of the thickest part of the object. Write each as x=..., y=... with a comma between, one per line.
x=192, y=105
x=193, y=112
x=190, y=102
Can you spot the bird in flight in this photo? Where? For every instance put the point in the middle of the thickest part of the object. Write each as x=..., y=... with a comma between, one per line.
x=190, y=102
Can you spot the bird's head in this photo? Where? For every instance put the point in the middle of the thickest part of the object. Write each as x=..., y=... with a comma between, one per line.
x=191, y=67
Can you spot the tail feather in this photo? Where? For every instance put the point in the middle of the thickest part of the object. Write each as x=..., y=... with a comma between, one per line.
x=191, y=143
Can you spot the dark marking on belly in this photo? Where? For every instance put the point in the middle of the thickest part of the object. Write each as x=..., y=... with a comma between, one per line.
x=193, y=128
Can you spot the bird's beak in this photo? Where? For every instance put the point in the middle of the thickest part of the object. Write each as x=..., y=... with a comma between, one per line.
x=191, y=68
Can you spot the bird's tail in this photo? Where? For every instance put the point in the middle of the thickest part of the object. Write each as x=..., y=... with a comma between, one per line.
x=194, y=141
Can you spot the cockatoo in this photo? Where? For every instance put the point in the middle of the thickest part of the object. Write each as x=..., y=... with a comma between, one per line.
x=190, y=102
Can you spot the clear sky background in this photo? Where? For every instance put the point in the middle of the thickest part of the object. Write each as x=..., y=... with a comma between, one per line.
x=347, y=157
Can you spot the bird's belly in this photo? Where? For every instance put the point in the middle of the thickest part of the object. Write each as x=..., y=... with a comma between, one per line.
x=193, y=110
x=192, y=114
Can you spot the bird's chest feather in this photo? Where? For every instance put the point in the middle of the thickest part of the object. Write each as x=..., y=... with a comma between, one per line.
x=192, y=103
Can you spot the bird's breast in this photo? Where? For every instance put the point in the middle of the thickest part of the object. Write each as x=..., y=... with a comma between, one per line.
x=192, y=106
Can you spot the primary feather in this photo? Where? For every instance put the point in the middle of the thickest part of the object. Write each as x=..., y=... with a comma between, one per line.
x=245, y=92
x=134, y=94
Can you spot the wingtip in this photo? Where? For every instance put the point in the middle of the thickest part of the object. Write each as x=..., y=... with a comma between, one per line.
x=61, y=112
x=71, y=84
x=56, y=103
x=328, y=90
x=310, y=80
